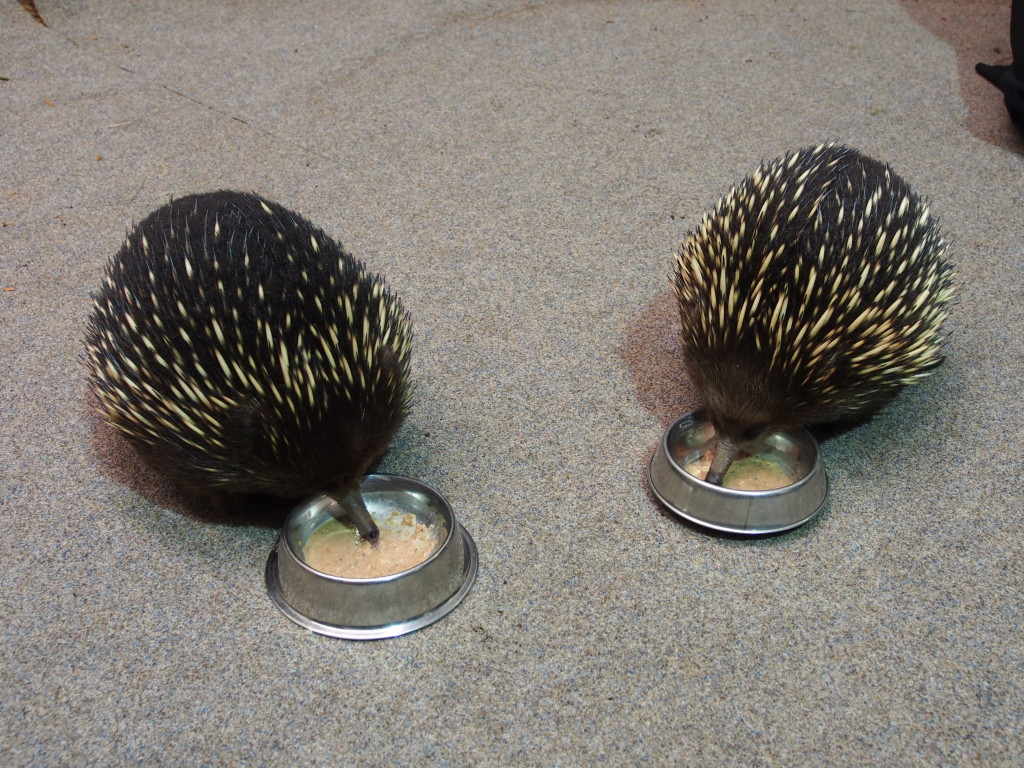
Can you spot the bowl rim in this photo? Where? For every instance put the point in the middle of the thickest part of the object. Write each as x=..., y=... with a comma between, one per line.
x=324, y=501
x=380, y=631
x=394, y=628
x=701, y=414
x=685, y=495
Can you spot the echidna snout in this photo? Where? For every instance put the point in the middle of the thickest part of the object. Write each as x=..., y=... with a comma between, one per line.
x=242, y=350
x=813, y=292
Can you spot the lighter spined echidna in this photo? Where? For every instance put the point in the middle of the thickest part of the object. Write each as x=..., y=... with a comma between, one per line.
x=242, y=350
x=813, y=293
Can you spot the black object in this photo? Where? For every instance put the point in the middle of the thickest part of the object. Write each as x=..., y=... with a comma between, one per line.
x=1010, y=78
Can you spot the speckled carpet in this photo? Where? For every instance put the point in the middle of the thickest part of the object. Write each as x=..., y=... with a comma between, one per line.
x=521, y=173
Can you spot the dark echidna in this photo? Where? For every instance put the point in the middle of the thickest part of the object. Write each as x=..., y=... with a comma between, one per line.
x=242, y=350
x=813, y=293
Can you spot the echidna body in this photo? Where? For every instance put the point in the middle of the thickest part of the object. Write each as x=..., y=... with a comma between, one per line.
x=812, y=293
x=242, y=350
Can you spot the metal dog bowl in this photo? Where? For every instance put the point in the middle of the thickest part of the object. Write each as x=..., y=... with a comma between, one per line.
x=384, y=606
x=736, y=511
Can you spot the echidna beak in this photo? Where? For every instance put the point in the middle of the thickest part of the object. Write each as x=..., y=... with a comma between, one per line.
x=725, y=452
x=371, y=536
x=354, y=508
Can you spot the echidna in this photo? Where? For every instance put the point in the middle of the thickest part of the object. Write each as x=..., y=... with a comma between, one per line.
x=242, y=350
x=813, y=293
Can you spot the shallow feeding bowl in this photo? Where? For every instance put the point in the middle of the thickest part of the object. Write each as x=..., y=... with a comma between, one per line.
x=372, y=607
x=792, y=456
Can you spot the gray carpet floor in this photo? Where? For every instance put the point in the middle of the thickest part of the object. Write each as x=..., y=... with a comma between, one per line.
x=521, y=173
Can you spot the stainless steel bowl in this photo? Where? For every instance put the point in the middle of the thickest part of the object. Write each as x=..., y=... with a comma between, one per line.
x=734, y=511
x=376, y=608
